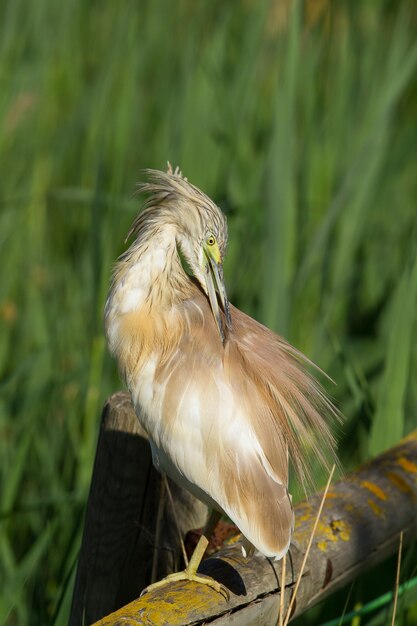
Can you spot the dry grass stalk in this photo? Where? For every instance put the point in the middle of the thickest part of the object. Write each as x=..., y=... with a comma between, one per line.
x=282, y=590
x=397, y=579
x=297, y=584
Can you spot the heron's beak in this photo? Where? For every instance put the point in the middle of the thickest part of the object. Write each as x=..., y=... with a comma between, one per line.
x=213, y=274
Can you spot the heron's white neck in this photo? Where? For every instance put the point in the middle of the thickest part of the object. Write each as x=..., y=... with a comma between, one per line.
x=148, y=278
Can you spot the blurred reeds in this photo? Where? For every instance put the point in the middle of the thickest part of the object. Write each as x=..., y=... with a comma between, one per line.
x=299, y=119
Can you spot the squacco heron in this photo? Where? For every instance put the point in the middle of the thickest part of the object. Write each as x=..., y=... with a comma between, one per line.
x=225, y=401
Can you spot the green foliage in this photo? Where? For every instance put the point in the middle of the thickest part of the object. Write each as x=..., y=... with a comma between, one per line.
x=300, y=122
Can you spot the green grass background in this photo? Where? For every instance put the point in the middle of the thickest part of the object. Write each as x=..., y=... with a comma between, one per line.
x=300, y=120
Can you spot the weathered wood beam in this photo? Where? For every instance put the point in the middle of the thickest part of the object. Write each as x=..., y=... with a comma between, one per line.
x=360, y=525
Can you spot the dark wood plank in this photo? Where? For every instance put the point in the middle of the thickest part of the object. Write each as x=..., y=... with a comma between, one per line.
x=121, y=545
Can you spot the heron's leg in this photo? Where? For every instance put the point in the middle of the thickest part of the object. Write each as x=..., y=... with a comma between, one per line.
x=158, y=527
x=171, y=501
x=190, y=572
x=213, y=520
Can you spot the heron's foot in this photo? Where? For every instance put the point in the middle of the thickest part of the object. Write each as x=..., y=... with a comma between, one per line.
x=190, y=572
x=194, y=577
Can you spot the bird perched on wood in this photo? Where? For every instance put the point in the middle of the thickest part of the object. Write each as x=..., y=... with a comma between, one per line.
x=224, y=400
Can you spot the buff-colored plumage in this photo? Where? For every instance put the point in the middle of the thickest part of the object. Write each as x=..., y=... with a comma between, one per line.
x=223, y=399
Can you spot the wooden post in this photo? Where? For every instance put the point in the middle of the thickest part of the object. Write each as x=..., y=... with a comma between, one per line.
x=130, y=531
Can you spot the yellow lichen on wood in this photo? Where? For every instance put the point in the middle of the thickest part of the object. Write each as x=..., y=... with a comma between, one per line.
x=399, y=482
x=335, y=531
x=407, y=465
x=341, y=529
x=411, y=437
x=178, y=603
x=375, y=507
x=330, y=495
x=373, y=488
x=327, y=532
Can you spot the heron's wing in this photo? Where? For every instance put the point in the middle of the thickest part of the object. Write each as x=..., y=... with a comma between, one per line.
x=209, y=439
x=299, y=410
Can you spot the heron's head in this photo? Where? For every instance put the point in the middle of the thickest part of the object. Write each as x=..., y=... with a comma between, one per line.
x=200, y=232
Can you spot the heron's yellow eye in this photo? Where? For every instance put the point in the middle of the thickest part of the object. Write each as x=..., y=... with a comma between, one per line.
x=211, y=240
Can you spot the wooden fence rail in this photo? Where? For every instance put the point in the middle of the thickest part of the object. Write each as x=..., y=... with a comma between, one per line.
x=130, y=533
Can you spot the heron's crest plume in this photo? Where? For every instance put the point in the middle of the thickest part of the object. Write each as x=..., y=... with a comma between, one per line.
x=173, y=199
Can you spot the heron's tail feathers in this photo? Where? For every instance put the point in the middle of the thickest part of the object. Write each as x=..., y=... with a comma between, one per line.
x=293, y=407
